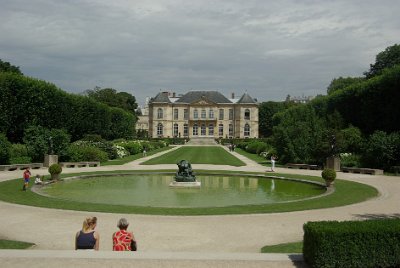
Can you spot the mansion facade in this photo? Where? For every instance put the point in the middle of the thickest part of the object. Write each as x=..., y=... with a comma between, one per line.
x=202, y=114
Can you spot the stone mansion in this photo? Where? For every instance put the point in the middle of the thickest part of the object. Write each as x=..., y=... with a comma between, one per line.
x=202, y=114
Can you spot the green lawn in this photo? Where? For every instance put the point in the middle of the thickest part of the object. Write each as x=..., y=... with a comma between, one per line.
x=130, y=158
x=197, y=155
x=294, y=247
x=346, y=193
x=10, y=244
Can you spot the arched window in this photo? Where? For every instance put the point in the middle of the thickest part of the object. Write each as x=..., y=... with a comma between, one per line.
x=211, y=129
x=160, y=113
x=203, y=129
x=195, y=130
x=203, y=113
x=175, y=130
x=195, y=114
x=246, y=132
x=211, y=114
x=160, y=130
x=221, y=130
x=247, y=114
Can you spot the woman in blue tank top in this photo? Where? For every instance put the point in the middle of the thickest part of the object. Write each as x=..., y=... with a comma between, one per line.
x=88, y=238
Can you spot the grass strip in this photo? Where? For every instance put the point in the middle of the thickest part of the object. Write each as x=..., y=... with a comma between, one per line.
x=346, y=193
x=294, y=247
x=213, y=155
x=10, y=244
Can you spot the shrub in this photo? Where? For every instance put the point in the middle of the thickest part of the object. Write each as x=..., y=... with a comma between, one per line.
x=19, y=150
x=55, y=171
x=21, y=160
x=374, y=243
x=78, y=153
x=5, y=149
x=328, y=174
x=133, y=147
x=256, y=147
x=349, y=160
x=102, y=145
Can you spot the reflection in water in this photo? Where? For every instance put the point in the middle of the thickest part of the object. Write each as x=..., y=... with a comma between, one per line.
x=154, y=190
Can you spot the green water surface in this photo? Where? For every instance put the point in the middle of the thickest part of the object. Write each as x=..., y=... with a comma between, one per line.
x=154, y=191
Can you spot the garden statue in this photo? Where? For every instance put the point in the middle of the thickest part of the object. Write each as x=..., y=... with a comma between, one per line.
x=185, y=172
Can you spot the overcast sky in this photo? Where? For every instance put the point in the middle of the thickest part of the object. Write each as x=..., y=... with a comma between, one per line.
x=269, y=48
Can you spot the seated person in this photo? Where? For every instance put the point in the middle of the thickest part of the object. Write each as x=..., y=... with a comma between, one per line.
x=122, y=239
x=88, y=238
x=38, y=180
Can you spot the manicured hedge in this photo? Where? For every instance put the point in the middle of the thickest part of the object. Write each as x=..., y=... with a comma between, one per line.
x=372, y=243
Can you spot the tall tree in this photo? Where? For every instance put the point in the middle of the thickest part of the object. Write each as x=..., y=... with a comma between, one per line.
x=7, y=67
x=113, y=98
x=343, y=82
x=385, y=59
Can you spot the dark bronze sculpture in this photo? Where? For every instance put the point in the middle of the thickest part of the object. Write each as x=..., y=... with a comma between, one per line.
x=185, y=172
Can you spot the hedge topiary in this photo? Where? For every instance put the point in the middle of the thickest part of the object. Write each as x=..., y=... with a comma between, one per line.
x=372, y=243
x=329, y=175
x=55, y=171
x=5, y=149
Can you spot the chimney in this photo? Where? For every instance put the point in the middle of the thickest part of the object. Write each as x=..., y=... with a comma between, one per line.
x=173, y=94
x=233, y=95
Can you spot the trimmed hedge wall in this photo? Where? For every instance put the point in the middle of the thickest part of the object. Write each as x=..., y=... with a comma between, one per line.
x=372, y=243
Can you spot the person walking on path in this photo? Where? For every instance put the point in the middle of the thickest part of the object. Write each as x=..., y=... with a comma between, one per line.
x=88, y=238
x=273, y=158
x=123, y=240
x=27, y=177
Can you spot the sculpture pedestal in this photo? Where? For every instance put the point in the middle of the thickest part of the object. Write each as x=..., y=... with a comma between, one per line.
x=185, y=184
x=50, y=159
x=333, y=162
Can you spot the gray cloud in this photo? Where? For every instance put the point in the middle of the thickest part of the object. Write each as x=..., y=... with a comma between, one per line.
x=269, y=48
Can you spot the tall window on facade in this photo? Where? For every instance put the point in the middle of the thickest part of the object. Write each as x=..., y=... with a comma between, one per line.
x=160, y=113
x=211, y=114
x=195, y=114
x=185, y=114
x=230, y=114
x=221, y=114
x=203, y=113
x=185, y=130
x=176, y=130
x=203, y=129
x=247, y=114
x=221, y=130
x=230, y=130
x=176, y=114
x=160, y=130
x=246, y=132
x=195, y=130
x=211, y=129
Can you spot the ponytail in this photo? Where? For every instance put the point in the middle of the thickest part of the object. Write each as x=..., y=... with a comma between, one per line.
x=88, y=223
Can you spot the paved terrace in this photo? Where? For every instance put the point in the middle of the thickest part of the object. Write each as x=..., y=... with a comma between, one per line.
x=178, y=241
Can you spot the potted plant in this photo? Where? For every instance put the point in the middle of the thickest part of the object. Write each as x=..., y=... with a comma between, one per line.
x=329, y=175
x=55, y=171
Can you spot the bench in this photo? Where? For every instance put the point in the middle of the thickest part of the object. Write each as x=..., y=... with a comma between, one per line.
x=371, y=171
x=79, y=164
x=8, y=167
x=20, y=166
x=302, y=166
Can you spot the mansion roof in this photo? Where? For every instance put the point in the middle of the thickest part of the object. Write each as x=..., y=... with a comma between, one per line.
x=195, y=96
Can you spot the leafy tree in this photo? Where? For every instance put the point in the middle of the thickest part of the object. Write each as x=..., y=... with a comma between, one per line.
x=7, y=67
x=382, y=150
x=113, y=98
x=385, y=59
x=5, y=149
x=266, y=112
x=41, y=141
x=343, y=82
x=299, y=135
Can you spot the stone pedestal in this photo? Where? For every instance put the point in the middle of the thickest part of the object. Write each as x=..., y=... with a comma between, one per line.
x=186, y=184
x=50, y=159
x=333, y=162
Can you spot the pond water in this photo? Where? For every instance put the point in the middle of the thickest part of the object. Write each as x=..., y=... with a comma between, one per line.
x=154, y=191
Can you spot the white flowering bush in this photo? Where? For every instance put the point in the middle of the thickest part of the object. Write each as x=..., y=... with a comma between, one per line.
x=121, y=151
